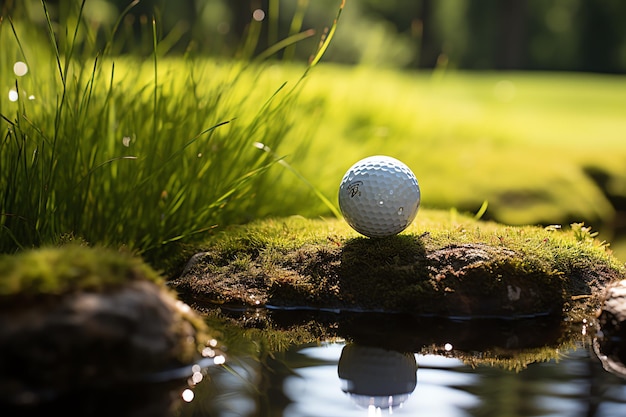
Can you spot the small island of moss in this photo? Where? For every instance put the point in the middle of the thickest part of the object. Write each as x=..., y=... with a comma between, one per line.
x=445, y=264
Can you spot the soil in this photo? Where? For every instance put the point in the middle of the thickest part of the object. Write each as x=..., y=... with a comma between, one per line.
x=466, y=280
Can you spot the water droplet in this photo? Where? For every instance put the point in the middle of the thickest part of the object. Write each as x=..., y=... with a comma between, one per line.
x=197, y=377
x=258, y=15
x=13, y=95
x=187, y=395
x=381, y=202
x=20, y=68
x=400, y=210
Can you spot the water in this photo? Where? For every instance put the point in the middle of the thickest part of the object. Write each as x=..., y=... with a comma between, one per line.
x=308, y=364
x=575, y=385
x=443, y=368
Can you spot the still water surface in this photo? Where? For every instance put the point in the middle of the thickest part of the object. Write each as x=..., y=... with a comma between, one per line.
x=348, y=378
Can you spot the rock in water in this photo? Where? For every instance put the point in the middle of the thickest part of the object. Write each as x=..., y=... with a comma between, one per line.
x=78, y=318
x=610, y=342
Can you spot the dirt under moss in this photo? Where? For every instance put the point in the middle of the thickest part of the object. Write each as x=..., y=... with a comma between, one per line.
x=447, y=265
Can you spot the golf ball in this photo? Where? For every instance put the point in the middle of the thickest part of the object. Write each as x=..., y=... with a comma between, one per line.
x=379, y=196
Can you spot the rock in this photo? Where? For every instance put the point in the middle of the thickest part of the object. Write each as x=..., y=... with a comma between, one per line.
x=100, y=336
x=610, y=341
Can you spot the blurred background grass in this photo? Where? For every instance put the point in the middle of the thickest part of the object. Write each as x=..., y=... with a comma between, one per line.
x=519, y=103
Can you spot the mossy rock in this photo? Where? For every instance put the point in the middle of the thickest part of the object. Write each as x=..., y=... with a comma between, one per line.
x=445, y=264
x=75, y=317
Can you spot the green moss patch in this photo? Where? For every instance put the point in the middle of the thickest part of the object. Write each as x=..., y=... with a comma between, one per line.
x=56, y=271
x=445, y=264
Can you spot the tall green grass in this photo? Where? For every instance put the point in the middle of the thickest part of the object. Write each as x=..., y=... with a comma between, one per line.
x=129, y=150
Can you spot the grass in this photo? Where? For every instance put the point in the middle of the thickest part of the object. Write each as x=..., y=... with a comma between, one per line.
x=128, y=151
x=146, y=151
x=539, y=148
x=523, y=142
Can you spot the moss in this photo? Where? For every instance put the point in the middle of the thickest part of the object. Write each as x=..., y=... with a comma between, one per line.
x=444, y=264
x=54, y=271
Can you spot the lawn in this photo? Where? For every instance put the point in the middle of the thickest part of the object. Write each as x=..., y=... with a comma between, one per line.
x=145, y=151
x=540, y=148
x=521, y=141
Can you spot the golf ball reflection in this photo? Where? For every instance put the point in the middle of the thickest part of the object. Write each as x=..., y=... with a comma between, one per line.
x=377, y=377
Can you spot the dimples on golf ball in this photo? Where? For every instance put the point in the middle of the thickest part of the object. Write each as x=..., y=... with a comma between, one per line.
x=379, y=196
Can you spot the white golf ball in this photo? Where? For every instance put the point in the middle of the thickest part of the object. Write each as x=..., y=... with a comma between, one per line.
x=379, y=196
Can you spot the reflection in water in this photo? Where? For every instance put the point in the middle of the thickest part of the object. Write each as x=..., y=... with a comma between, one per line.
x=154, y=400
x=376, y=377
x=439, y=368
x=155, y=394
x=482, y=368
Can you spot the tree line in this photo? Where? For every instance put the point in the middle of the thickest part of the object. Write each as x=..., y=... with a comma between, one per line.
x=565, y=35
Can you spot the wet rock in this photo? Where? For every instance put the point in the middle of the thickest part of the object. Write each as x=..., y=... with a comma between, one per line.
x=111, y=332
x=610, y=342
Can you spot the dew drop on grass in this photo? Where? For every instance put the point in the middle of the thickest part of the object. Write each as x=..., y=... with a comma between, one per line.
x=258, y=15
x=20, y=68
x=13, y=96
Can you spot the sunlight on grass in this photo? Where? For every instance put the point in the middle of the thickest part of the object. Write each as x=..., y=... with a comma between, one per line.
x=128, y=151
x=521, y=141
x=123, y=150
x=144, y=150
